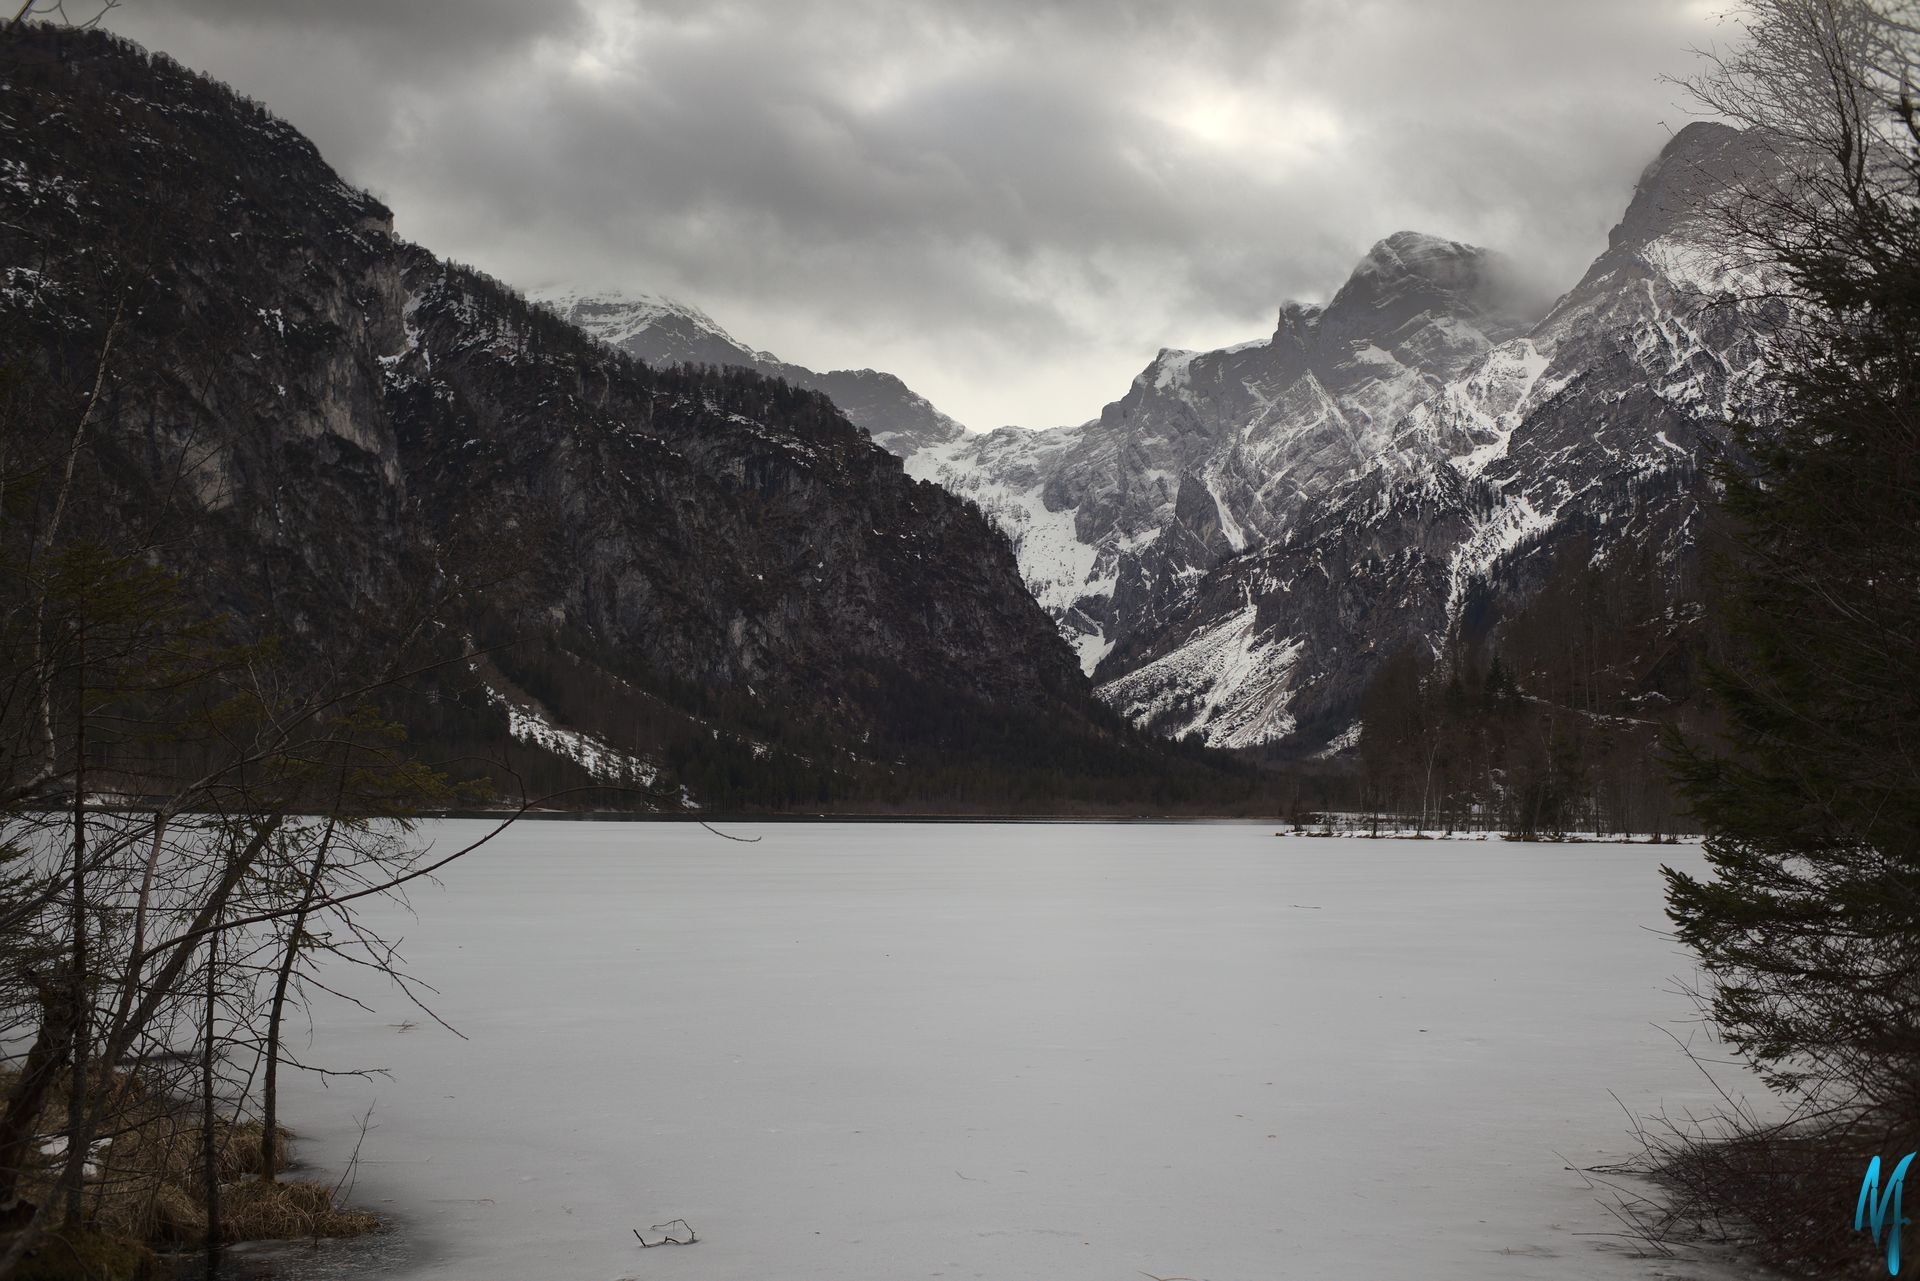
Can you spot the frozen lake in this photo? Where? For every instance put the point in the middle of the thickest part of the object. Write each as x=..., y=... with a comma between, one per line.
x=868, y=1052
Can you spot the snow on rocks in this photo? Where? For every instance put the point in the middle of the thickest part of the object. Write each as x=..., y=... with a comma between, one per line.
x=1229, y=683
x=589, y=751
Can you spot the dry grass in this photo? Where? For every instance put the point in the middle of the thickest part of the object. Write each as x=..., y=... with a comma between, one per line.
x=256, y=1211
x=84, y=1255
x=1782, y=1195
x=149, y=1182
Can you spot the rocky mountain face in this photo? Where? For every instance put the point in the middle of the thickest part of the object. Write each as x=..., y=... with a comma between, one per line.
x=326, y=428
x=1238, y=542
x=663, y=332
x=1210, y=454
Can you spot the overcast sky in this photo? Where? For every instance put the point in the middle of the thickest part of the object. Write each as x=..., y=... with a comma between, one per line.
x=1012, y=204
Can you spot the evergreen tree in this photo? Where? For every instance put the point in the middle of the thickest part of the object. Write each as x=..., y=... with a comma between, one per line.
x=1810, y=925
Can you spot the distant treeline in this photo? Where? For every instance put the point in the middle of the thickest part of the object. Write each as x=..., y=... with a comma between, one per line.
x=1546, y=719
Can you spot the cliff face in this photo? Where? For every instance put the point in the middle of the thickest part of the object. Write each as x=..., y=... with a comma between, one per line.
x=1237, y=543
x=326, y=427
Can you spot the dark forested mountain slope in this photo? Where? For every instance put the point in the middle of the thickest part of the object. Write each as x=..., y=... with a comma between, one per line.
x=690, y=577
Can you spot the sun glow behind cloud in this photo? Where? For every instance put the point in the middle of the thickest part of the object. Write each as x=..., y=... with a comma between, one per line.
x=1254, y=126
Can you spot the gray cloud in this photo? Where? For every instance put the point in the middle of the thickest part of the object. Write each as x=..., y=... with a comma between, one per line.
x=398, y=33
x=1010, y=203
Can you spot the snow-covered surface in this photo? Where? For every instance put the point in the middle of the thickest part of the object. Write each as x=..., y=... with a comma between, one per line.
x=615, y=316
x=589, y=751
x=1169, y=369
x=1696, y=266
x=1091, y=647
x=1229, y=682
x=1229, y=527
x=868, y=1052
x=56, y=1146
x=1493, y=536
x=1346, y=740
x=1480, y=410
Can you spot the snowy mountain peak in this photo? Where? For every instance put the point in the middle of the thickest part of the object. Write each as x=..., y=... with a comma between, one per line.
x=1699, y=163
x=1293, y=327
x=1415, y=253
x=633, y=308
x=665, y=331
x=1413, y=275
x=658, y=330
x=1168, y=370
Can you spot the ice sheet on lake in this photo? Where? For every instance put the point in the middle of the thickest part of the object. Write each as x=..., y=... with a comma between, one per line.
x=866, y=1052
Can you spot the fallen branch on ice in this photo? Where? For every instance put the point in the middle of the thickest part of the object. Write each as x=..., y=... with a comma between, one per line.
x=667, y=1237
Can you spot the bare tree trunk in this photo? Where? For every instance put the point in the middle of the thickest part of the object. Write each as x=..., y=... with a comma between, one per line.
x=1426, y=793
x=37, y=1077
x=209, y=1140
x=45, y=541
x=24, y=1240
x=79, y=1132
x=269, y=1089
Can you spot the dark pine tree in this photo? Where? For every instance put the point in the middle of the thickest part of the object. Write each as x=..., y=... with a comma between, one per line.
x=1810, y=926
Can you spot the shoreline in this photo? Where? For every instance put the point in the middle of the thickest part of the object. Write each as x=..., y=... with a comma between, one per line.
x=1351, y=827
x=1115, y=820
